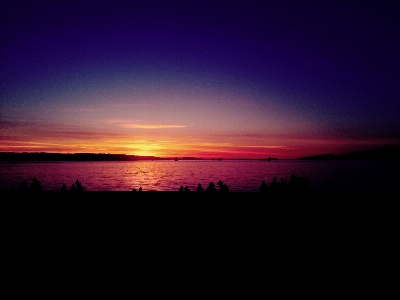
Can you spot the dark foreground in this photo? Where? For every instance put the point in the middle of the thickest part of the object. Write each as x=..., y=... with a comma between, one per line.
x=333, y=231
x=162, y=217
x=172, y=195
x=204, y=208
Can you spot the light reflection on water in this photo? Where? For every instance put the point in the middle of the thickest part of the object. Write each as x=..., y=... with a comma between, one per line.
x=348, y=176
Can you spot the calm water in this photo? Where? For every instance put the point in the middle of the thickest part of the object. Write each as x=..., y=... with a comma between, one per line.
x=346, y=176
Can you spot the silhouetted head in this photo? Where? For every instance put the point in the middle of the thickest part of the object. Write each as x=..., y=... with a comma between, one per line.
x=220, y=183
x=274, y=179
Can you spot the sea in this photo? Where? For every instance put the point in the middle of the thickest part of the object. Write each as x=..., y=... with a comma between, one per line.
x=353, y=176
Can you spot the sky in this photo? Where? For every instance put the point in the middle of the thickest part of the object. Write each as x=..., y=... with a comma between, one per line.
x=229, y=79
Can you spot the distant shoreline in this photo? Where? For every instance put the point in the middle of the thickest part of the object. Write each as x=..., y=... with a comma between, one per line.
x=385, y=153
x=63, y=157
x=58, y=157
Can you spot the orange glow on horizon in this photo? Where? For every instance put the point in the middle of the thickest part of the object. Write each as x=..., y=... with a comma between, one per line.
x=132, y=126
x=167, y=149
x=173, y=141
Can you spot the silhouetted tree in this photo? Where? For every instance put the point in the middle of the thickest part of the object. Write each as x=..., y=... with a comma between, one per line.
x=223, y=187
x=79, y=187
x=23, y=186
x=36, y=186
x=211, y=188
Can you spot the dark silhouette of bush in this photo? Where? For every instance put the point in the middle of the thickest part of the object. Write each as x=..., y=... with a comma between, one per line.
x=35, y=186
x=211, y=188
x=223, y=188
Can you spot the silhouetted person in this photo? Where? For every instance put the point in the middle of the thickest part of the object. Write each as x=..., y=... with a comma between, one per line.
x=211, y=187
x=187, y=189
x=73, y=188
x=223, y=187
x=274, y=187
x=23, y=186
x=200, y=188
x=35, y=186
x=133, y=190
x=63, y=188
x=263, y=187
x=140, y=189
x=181, y=189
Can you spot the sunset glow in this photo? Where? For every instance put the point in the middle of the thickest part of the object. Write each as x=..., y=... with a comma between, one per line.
x=205, y=79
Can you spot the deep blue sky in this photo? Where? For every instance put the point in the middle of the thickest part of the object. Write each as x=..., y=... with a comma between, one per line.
x=304, y=70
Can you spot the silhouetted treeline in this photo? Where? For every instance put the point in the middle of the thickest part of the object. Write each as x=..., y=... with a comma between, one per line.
x=386, y=153
x=296, y=185
x=35, y=186
x=42, y=156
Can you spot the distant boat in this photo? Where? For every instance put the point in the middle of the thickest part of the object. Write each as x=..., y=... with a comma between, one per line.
x=176, y=159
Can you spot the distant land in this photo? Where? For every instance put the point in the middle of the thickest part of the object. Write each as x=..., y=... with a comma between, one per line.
x=385, y=153
x=43, y=156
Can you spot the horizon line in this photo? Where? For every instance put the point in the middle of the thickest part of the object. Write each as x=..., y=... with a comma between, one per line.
x=153, y=156
x=218, y=158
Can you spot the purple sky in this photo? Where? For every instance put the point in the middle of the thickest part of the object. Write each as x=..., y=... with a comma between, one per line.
x=199, y=78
